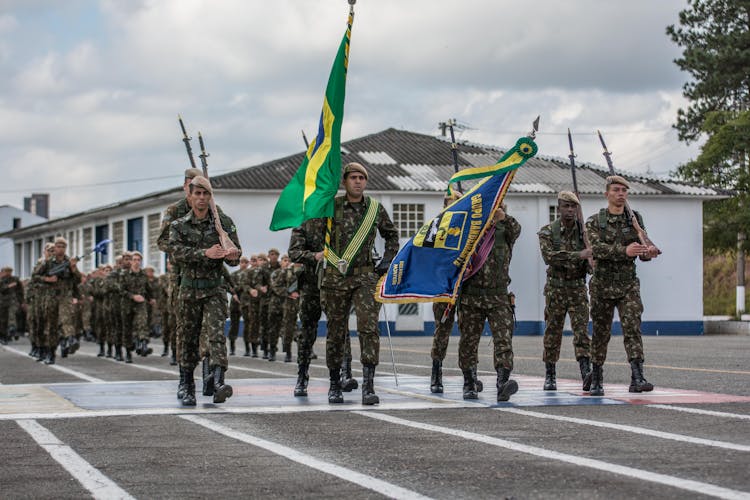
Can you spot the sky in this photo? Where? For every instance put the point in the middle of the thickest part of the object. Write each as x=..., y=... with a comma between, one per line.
x=91, y=89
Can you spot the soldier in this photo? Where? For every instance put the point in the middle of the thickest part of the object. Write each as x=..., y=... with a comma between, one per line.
x=306, y=247
x=246, y=302
x=11, y=291
x=255, y=283
x=137, y=295
x=615, y=244
x=35, y=300
x=564, y=252
x=484, y=295
x=167, y=315
x=123, y=334
x=291, y=307
x=351, y=277
x=100, y=306
x=270, y=264
x=60, y=278
x=235, y=307
x=194, y=244
x=280, y=283
x=154, y=313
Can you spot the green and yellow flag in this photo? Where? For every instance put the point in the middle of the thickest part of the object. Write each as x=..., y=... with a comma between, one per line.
x=311, y=191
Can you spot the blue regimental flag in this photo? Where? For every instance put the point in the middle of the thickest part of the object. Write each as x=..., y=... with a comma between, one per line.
x=429, y=268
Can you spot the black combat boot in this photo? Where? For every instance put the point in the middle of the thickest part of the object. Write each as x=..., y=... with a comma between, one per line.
x=255, y=350
x=189, y=398
x=477, y=382
x=64, y=347
x=128, y=355
x=368, y=385
x=138, y=347
x=101, y=350
x=288, y=353
x=334, y=391
x=597, y=379
x=173, y=359
x=222, y=391
x=182, y=386
x=585, y=365
x=165, y=352
x=231, y=347
x=41, y=354
x=506, y=386
x=109, y=350
x=348, y=383
x=436, y=380
x=550, y=377
x=50, y=359
x=208, y=378
x=34, y=350
x=470, y=386
x=302, y=378
x=247, y=349
x=73, y=345
x=637, y=382
x=118, y=352
x=145, y=349
x=272, y=353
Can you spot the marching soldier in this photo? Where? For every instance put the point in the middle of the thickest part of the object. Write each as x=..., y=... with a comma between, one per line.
x=235, y=307
x=137, y=295
x=100, y=306
x=34, y=298
x=484, y=295
x=194, y=244
x=254, y=283
x=615, y=244
x=291, y=307
x=11, y=291
x=564, y=252
x=351, y=276
x=121, y=306
x=167, y=315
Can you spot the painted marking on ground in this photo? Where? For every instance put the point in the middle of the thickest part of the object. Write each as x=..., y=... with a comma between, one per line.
x=629, y=428
x=630, y=472
x=99, y=485
x=700, y=411
x=36, y=399
x=371, y=483
x=57, y=367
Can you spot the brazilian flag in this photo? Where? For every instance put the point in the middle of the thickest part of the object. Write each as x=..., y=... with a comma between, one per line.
x=311, y=191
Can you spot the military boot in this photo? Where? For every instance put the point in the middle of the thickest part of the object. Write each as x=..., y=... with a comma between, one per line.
x=264, y=349
x=41, y=354
x=436, y=380
x=506, y=386
x=118, y=352
x=138, y=347
x=477, y=382
x=470, y=386
x=597, y=379
x=348, y=383
x=585, y=365
x=231, y=346
x=109, y=350
x=247, y=349
x=255, y=350
x=208, y=378
x=64, y=347
x=182, y=386
x=550, y=377
x=637, y=382
x=368, y=385
x=50, y=359
x=302, y=378
x=189, y=398
x=101, y=350
x=288, y=353
x=128, y=355
x=222, y=391
x=165, y=352
x=173, y=359
x=272, y=353
x=73, y=345
x=145, y=349
x=334, y=391
x=33, y=350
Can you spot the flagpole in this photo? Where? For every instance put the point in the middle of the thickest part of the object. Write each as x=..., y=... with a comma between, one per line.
x=390, y=344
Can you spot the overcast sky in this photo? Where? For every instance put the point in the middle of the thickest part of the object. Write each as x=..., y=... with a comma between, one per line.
x=91, y=89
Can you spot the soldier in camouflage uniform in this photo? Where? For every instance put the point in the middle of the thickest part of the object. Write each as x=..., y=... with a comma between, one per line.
x=565, y=254
x=306, y=248
x=154, y=314
x=254, y=283
x=270, y=263
x=235, y=307
x=35, y=310
x=194, y=244
x=246, y=302
x=137, y=295
x=485, y=295
x=59, y=278
x=167, y=315
x=291, y=308
x=11, y=291
x=99, y=307
x=351, y=276
x=276, y=300
x=123, y=334
x=615, y=243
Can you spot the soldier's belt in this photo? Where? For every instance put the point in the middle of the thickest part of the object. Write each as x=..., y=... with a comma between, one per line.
x=351, y=271
x=562, y=283
x=200, y=284
x=482, y=292
x=610, y=276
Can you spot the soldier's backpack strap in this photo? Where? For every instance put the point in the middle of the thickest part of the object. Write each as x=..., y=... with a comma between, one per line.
x=556, y=235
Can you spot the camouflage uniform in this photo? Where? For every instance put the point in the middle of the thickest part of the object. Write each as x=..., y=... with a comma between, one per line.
x=166, y=313
x=291, y=309
x=100, y=311
x=265, y=311
x=254, y=278
x=235, y=309
x=11, y=291
x=355, y=287
x=485, y=296
x=277, y=298
x=442, y=334
x=565, y=290
x=36, y=325
x=135, y=314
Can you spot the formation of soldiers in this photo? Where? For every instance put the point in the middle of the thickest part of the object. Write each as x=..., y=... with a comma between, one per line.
x=122, y=306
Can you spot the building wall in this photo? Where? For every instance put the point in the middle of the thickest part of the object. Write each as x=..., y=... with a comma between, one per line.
x=7, y=247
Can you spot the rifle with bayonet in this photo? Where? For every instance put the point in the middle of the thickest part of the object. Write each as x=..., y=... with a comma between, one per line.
x=579, y=215
x=645, y=240
x=61, y=268
x=224, y=239
x=186, y=139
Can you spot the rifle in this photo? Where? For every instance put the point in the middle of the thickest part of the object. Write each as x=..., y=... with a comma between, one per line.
x=187, y=140
x=454, y=151
x=581, y=230
x=224, y=239
x=60, y=269
x=645, y=240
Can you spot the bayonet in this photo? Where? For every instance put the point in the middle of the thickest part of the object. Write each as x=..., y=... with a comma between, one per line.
x=186, y=139
x=534, y=128
x=579, y=215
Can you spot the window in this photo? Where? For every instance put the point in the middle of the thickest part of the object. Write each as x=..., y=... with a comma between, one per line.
x=102, y=233
x=135, y=234
x=408, y=218
x=553, y=213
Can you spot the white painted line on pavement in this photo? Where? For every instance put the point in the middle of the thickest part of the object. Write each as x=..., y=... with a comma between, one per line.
x=99, y=485
x=629, y=428
x=133, y=365
x=638, y=474
x=702, y=412
x=59, y=368
x=369, y=482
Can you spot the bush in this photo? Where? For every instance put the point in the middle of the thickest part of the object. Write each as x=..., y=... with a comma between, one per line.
x=719, y=284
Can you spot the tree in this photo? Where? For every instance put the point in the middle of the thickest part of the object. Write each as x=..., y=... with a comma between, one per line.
x=715, y=37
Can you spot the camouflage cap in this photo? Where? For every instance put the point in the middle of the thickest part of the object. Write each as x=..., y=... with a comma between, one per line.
x=136, y=252
x=191, y=173
x=201, y=181
x=62, y=240
x=261, y=256
x=274, y=250
x=354, y=167
x=568, y=196
x=616, y=179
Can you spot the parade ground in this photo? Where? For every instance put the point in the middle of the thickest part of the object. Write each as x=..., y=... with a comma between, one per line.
x=90, y=426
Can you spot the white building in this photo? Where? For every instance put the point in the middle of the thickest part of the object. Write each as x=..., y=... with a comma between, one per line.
x=14, y=218
x=408, y=174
